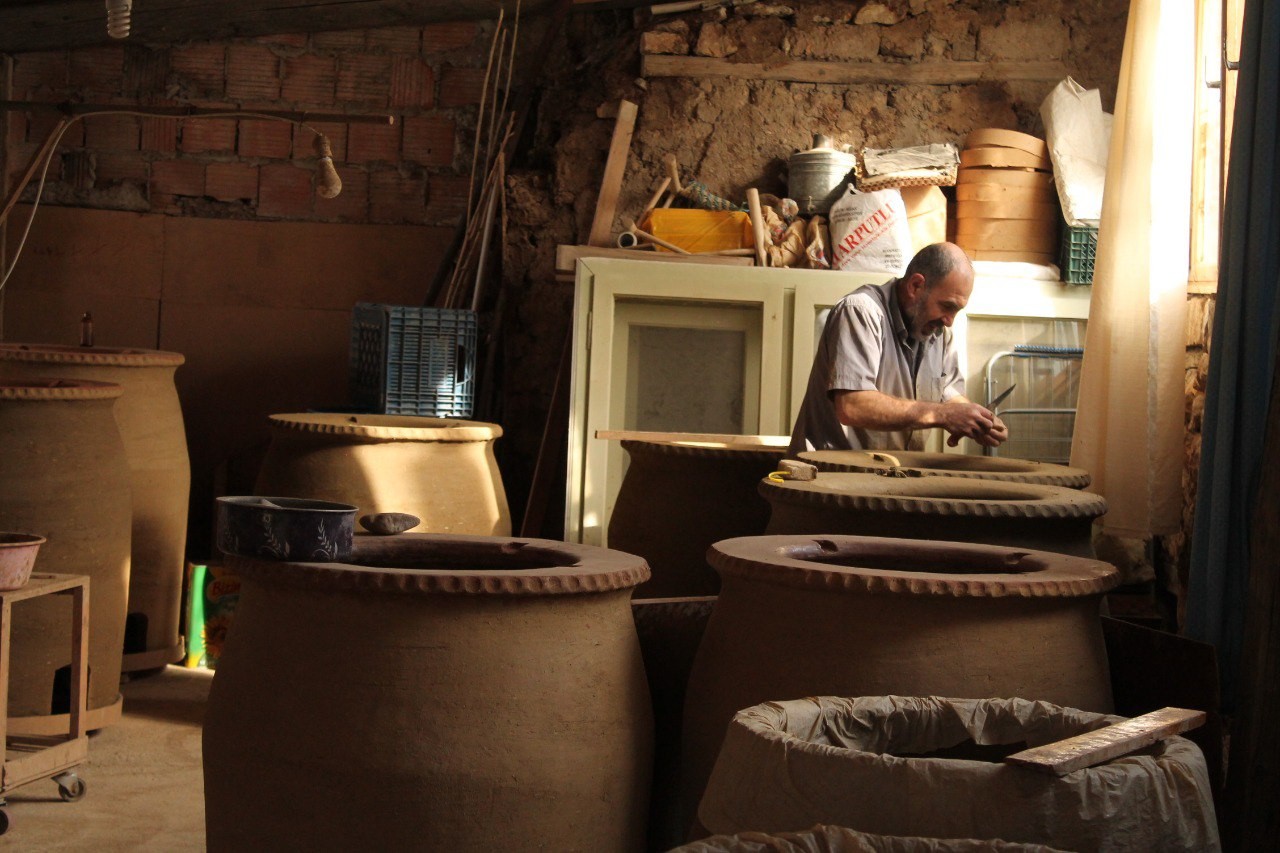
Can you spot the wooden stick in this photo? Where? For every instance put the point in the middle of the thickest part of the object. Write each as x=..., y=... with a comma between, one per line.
x=738, y=253
x=484, y=90
x=1090, y=748
x=645, y=235
x=653, y=202
x=673, y=169
x=493, y=101
x=611, y=183
x=757, y=226
x=705, y=437
x=44, y=151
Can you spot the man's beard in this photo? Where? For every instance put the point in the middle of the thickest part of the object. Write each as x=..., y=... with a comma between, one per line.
x=916, y=326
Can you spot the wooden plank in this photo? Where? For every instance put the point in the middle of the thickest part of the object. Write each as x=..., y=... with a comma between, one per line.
x=567, y=256
x=611, y=184
x=79, y=658
x=706, y=437
x=923, y=73
x=1090, y=748
x=75, y=23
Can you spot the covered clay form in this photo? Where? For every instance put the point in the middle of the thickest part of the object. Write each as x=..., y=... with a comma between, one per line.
x=442, y=470
x=952, y=509
x=861, y=616
x=678, y=497
x=64, y=476
x=915, y=463
x=155, y=443
x=435, y=693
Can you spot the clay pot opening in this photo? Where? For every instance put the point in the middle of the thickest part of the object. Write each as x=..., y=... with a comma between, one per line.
x=964, y=462
x=962, y=489
x=10, y=540
x=924, y=564
x=455, y=557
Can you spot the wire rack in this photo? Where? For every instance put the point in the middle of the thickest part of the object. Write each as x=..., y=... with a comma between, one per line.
x=1041, y=411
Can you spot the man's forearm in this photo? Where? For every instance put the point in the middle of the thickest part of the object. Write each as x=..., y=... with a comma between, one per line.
x=875, y=410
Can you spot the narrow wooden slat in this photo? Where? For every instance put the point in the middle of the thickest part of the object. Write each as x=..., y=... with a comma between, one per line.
x=706, y=437
x=611, y=183
x=927, y=73
x=567, y=256
x=79, y=657
x=1090, y=748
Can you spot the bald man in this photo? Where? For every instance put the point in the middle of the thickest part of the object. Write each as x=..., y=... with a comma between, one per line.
x=886, y=368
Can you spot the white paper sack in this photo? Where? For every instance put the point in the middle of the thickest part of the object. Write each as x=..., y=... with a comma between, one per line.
x=869, y=231
x=1079, y=137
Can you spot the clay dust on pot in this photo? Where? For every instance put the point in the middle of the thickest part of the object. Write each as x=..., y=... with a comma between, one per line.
x=915, y=463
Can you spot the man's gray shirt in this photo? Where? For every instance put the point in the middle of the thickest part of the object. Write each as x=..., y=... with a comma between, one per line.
x=866, y=346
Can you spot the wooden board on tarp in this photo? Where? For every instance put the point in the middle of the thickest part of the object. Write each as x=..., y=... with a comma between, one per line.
x=984, y=228
x=1095, y=747
x=1007, y=242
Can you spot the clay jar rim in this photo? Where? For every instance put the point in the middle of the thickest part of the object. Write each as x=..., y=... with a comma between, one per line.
x=11, y=539
x=945, y=465
x=808, y=562
x=386, y=427
x=45, y=390
x=584, y=568
x=706, y=450
x=951, y=496
x=96, y=356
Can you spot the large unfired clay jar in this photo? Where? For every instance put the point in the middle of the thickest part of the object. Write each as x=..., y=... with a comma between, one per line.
x=953, y=509
x=805, y=616
x=441, y=470
x=917, y=463
x=437, y=693
x=64, y=476
x=155, y=443
x=678, y=497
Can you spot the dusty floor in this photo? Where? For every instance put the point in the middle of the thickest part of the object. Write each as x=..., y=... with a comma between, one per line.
x=145, y=790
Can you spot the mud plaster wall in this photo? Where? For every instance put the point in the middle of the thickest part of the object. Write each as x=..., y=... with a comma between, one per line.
x=732, y=134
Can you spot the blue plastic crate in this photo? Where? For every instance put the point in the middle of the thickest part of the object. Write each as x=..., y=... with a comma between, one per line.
x=408, y=360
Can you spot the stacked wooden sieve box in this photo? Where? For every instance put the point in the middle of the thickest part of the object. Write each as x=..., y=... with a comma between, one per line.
x=1006, y=207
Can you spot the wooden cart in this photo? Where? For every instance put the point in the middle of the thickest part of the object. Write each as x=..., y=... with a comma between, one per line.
x=30, y=758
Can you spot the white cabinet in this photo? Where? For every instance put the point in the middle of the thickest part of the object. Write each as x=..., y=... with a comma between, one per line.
x=680, y=348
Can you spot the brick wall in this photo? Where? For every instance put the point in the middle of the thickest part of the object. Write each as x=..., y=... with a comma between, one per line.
x=426, y=77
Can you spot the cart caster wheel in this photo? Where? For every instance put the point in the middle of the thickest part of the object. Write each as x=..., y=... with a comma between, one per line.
x=70, y=787
x=4, y=823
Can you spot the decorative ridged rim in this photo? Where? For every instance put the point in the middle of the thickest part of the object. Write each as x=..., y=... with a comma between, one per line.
x=350, y=426
x=872, y=492
x=706, y=451
x=864, y=462
x=104, y=356
x=591, y=569
x=46, y=390
x=791, y=561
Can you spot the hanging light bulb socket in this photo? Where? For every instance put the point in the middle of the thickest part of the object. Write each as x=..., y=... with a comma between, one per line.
x=118, y=14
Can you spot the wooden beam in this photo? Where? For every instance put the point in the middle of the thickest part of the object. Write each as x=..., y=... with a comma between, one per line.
x=611, y=184
x=1090, y=748
x=921, y=73
x=78, y=23
x=567, y=256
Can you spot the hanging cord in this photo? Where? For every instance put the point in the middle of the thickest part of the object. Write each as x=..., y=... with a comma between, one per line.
x=330, y=184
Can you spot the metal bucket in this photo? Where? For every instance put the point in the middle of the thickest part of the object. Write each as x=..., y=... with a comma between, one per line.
x=817, y=177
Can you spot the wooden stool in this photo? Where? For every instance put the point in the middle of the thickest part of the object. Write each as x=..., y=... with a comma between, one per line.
x=34, y=758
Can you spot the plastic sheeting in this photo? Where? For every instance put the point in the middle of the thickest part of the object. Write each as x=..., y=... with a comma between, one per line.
x=872, y=764
x=837, y=839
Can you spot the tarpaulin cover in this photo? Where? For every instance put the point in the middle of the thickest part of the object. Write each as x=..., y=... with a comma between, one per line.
x=837, y=839
x=871, y=764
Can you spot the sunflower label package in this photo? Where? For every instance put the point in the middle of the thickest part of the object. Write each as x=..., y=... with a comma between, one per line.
x=213, y=591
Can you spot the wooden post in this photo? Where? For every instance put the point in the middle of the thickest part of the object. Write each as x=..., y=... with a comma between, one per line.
x=611, y=183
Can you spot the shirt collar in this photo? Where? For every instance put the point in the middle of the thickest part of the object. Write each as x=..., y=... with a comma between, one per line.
x=895, y=316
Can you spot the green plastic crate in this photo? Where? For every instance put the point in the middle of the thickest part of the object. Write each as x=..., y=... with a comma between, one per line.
x=1079, y=245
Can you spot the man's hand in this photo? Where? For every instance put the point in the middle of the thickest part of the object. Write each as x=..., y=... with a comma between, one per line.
x=994, y=436
x=965, y=420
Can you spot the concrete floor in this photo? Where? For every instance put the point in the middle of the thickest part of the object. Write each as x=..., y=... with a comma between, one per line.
x=145, y=788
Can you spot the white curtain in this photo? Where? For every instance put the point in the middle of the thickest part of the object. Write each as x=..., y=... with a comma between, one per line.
x=1129, y=418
